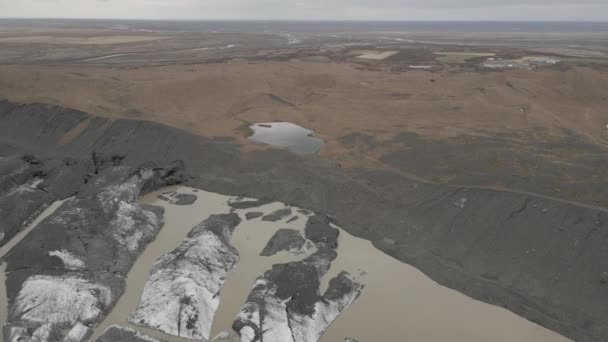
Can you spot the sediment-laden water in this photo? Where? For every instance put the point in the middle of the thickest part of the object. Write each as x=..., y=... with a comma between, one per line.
x=398, y=302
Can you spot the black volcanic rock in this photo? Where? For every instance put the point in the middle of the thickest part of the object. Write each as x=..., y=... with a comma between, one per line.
x=277, y=215
x=248, y=204
x=253, y=215
x=284, y=240
x=117, y=333
x=319, y=230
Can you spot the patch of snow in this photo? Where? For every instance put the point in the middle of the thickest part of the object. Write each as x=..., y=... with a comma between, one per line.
x=70, y=261
x=132, y=224
x=34, y=184
x=127, y=191
x=461, y=203
x=31, y=186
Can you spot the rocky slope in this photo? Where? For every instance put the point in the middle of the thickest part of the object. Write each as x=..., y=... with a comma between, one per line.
x=68, y=272
x=539, y=257
x=28, y=185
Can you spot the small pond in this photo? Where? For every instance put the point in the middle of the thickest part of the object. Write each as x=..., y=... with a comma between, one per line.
x=287, y=135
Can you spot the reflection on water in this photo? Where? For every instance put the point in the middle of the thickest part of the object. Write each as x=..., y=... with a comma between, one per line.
x=295, y=138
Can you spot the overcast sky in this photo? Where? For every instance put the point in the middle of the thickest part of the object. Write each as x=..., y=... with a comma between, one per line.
x=587, y=10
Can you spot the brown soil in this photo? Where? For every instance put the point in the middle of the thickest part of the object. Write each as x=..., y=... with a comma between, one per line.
x=330, y=98
x=359, y=107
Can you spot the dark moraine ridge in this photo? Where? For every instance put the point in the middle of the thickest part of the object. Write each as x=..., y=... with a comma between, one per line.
x=70, y=269
x=540, y=258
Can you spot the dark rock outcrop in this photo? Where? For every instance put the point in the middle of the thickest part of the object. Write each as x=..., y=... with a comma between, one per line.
x=117, y=333
x=319, y=231
x=248, y=204
x=284, y=240
x=253, y=215
x=277, y=215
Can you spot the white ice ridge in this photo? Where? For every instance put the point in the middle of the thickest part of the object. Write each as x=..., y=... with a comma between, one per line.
x=78, y=333
x=182, y=294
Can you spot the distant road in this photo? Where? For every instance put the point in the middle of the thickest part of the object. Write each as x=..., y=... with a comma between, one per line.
x=500, y=189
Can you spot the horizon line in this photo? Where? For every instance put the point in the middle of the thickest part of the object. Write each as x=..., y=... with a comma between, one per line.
x=314, y=20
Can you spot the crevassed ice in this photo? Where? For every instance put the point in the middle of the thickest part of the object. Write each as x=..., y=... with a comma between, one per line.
x=62, y=300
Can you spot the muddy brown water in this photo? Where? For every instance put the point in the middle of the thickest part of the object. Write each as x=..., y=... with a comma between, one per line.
x=398, y=303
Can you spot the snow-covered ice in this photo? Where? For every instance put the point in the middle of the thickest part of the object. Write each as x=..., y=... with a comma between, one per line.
x=60, y=300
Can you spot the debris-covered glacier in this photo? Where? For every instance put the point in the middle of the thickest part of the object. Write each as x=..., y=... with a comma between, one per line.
x=183, y=291
x=285, y=304
x=70, y=270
